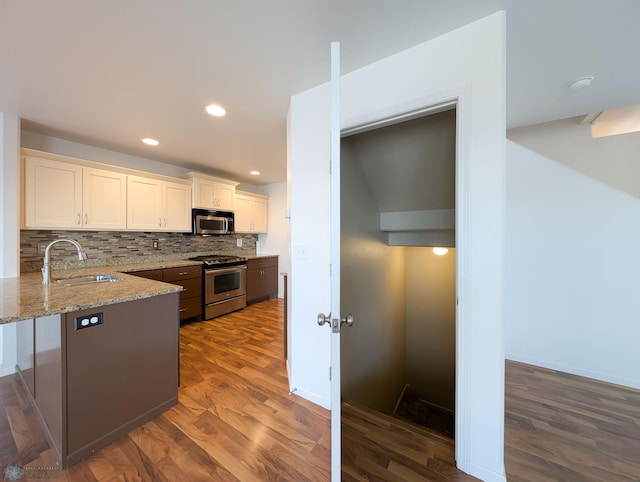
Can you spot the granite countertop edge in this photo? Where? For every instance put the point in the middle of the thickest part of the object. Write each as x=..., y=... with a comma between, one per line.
x=24, y=297
x=83, y=306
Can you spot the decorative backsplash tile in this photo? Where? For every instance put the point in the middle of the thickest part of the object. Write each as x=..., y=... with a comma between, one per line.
x=115, y=247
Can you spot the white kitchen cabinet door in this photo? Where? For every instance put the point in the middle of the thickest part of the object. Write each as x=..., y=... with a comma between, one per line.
x=144, y=204
x=210, y=194
x=204, y=194
x=251, y=213
x=260, y=215
x=104, y=199
x=225, y=196
x=242, y=214
x=53, y=194
x=177, y=207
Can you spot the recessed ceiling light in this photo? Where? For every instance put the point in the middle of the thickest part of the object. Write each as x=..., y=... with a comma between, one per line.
x=215, y=110
x=150, y=142
x=581, y=83
x=254, y=173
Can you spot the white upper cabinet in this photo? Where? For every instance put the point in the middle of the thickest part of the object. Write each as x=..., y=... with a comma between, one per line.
x=78, y=195
x=251, y=213
x=144, y=204
x=155, y=205
x=177, y=203
x=211, y=192
x=60, y=195
x=104, y=199
x=53, y=194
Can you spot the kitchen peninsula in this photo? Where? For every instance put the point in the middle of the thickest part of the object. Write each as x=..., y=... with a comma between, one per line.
x=99, y=359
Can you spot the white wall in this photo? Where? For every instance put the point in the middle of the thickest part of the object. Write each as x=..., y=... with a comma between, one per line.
x=277, y=240
x=572, y=263
x=612, y=160
x=431, y=325
x=40, y=142
x=467, y=64
x=308, y=172
x=9, y=225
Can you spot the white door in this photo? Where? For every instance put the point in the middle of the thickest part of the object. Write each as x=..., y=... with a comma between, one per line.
x=336, y=432
x=335, y=315
x=334, y=319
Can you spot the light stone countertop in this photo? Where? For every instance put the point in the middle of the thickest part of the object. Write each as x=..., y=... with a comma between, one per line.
x=258, y=256
x=25, y=297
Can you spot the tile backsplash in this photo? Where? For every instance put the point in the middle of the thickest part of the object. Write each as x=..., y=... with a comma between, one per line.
x=118, y=247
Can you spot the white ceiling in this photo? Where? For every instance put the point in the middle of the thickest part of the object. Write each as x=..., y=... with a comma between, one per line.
x=107, y=73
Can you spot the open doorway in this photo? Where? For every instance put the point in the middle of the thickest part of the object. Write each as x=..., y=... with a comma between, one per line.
x=398, y=202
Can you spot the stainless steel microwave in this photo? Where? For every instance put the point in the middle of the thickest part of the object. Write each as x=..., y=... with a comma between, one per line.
x=205, y=221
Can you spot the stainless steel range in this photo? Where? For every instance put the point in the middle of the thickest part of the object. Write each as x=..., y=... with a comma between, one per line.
x=224, y=284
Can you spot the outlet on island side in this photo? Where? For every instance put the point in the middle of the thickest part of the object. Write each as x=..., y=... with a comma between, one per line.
x=155, y=244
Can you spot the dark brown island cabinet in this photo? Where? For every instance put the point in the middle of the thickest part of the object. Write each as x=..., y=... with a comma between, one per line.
x=98, y=373
x=262, y=278
x=190, y=278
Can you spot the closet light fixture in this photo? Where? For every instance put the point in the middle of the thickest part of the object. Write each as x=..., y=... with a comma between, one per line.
x=215, y=110
x=439, y=251
x=150, y=142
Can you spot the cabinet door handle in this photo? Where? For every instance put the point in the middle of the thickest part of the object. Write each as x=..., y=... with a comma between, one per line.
x=182, y=273
x=86, y=219
x=160, y=222
x=182, y=310
x=165, y=222
x=78, y=219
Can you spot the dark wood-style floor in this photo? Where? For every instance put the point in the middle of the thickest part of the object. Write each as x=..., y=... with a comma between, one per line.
x=565, y=427
x=376, y=446
x=236, y=421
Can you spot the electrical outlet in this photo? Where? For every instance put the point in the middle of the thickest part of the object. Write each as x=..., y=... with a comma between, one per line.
x=88, y=321
x=42, y=247
x=239, y=242
x=155, y=244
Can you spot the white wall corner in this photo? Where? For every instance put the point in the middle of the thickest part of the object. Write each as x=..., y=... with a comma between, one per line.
x=10, y=226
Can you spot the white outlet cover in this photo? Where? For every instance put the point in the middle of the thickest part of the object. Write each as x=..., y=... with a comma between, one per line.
x=300, y=251
x=239, y=242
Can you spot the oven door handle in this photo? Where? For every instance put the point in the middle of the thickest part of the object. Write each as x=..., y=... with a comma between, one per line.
x=217, y=271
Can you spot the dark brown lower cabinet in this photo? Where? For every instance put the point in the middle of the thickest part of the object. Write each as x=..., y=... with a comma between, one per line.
x=190, y=278
x=262, y=278
x=95, y=383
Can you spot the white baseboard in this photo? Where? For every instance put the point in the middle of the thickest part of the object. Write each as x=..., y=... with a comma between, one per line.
x=311, y=396
x=7, y=370
x=603, y=377
x=485, y=474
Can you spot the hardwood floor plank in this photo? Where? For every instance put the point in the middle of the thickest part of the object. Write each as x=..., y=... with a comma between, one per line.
x=235, y=420
x=376, y=446
x=560, y=426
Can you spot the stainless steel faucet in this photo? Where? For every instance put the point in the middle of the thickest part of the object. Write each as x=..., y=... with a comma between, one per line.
x=46, y=270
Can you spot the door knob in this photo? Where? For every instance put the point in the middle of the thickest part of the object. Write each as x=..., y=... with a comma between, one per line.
x=322, y=318
x=348, y=319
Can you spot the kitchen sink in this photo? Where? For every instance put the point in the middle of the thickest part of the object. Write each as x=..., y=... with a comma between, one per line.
x=94, y=278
